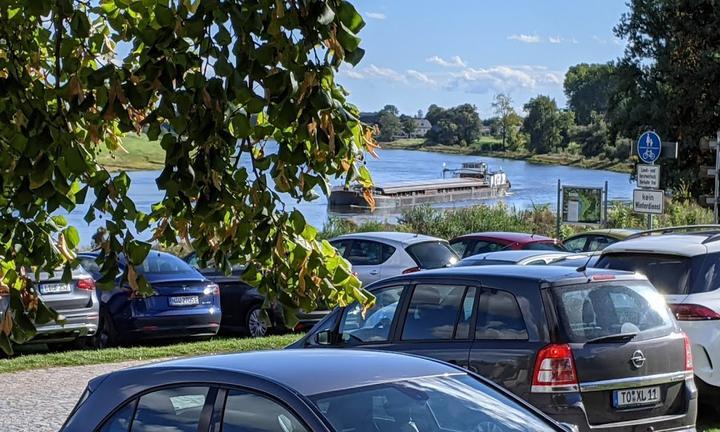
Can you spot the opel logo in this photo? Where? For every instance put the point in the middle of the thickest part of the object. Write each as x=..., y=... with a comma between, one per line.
x=638, y=359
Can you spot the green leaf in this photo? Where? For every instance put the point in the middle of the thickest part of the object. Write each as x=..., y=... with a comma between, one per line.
x=80, y=25
x=164, y=16
x=222, y=37
x=72, y=237
x=137, y=251
x=75, y=160
x=59, y=220
x=354, y=57
x=350, y=17
x=364, y=176
x=348, y=39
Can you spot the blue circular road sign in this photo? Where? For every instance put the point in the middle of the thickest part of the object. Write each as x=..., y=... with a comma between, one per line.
x=649, y=147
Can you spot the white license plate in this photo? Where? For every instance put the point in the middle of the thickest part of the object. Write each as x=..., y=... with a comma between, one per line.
x=55, y=288
x=184, y=301
x=636, y=397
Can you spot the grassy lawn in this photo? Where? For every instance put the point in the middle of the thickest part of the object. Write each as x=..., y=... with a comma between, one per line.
x=142, y=154
x=113, y=355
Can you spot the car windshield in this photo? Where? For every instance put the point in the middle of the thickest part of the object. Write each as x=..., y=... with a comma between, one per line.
x=596, y=310
x=432, y=254
x=431, y=404
x=550, y=246
x=670, y=274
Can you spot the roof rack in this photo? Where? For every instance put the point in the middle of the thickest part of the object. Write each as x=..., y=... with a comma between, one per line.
x=712, y=230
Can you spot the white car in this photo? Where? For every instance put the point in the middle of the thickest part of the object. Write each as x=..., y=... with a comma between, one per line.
x=516, y=257
x=380, y=255
x=684, y=264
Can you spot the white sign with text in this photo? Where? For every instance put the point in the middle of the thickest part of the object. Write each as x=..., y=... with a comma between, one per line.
x=648, y=176
x=648, y=201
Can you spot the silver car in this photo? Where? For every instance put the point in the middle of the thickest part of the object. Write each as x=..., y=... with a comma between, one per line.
x=76, y=301
x=517, y=257
x=379, y=255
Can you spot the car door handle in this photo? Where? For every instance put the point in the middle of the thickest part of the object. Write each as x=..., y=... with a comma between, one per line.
x=374, y=272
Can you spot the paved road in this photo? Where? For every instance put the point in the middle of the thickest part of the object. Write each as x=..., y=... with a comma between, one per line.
x=40, y=400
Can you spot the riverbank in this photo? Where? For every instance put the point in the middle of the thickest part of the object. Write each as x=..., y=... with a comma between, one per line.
x=142, y=154
x=565, y=159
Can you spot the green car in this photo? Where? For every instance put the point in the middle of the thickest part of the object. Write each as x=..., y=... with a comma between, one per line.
x=596, y=240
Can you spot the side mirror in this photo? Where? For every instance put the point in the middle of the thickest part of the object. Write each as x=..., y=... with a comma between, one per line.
x=323, y=337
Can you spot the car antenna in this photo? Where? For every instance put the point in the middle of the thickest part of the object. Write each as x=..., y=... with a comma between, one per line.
x=583, y=267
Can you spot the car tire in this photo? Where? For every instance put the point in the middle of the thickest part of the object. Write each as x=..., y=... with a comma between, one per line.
x=256, y=322
x=106, y=336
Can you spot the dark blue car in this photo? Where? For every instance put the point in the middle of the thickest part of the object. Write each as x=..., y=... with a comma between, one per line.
x=185, y=303
x=302, y=391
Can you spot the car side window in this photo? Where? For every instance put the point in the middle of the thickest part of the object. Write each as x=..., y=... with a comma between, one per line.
x=372, y=325
x=251, y=412
x=433, y=312
x=341, y=246
x=387, y=252
x=482, y=246
x=598, y=243
x=499, y=317
x=576, y=245
x=174, y=409
x=121, y=420
x=460, y=247
x=364, y=252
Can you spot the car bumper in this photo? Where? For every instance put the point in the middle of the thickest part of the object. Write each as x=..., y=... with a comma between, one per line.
x=705, y=341
x=75, y=325
x=568, y=408
x=170, y=325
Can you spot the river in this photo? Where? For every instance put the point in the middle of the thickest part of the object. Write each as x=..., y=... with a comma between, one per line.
x=531, y=184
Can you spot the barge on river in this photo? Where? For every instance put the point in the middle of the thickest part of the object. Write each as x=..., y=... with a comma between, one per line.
x=474, y=181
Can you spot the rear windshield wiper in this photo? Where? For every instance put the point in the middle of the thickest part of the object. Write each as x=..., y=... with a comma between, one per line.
x=619, y=337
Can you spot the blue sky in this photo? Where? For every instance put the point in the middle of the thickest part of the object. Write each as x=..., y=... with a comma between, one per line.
x=420, y=52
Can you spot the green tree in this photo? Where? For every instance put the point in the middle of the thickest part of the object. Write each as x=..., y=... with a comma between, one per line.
x=460, y=125
x=408, y=124
x=668, y=82
x=389, y=123
x=503, y=109
x=543, y=125
x=228, y=77
x=593, y=138
x=588, y=88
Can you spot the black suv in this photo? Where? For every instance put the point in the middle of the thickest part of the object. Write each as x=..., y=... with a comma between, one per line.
x=596, y=349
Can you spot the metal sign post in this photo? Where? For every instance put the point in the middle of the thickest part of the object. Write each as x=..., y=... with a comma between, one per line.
x=648, y=198
x=717, y=178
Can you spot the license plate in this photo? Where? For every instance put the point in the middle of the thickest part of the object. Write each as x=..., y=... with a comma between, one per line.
x=184, y=301
x=55, y=288
x=636, y=397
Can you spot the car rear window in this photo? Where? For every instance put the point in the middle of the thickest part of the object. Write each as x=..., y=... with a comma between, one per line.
x=432, y=254
x=163, y=263
x=595, y=310
x=670, y=274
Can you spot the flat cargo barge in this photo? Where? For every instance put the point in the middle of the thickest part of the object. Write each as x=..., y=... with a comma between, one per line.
x=472, y=182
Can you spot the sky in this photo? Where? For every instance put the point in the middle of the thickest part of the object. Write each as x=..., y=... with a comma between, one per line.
x=420, y=52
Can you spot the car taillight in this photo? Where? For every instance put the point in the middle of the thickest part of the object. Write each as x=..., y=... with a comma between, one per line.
x=555, y=370
x=85, y=284
x=211, y=290
x=688, y=354
x=693, y=312
x=411, y=270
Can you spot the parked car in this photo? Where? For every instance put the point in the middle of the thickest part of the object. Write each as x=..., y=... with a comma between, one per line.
x=379, y=255
x=596, y=240
x=242, y=304
x=684, y=264
x=301, y=391
x=516, y=257
x=75, y=301
x=477, y=243
x=598, y=349
x=185, y=303
x=580, y=260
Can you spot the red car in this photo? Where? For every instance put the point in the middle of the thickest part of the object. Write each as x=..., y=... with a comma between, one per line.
x=477, y=243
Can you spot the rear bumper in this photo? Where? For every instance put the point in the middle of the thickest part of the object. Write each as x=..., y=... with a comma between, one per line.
x=705, y=341
x=170, y=325
x=569, y=408
x=76, y=325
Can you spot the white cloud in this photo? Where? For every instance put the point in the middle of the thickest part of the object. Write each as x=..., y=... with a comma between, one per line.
x=525, y=38
x=352, y=73
x=387, y=73
x=376, y=15
x=420, y=77
x=555, y=39
x=454, y=61
x=504, y=79
x=599, y=40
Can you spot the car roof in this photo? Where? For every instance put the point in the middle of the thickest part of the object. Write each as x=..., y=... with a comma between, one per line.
x=544, y=274
x=313, y=371
x=508, y=236
x=617, y=233
x=668, y=244
x=391, y=236
x=513, y=255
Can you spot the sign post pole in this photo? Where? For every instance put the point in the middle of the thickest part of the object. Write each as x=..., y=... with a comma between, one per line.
x=717, y=178
x=605, y=205
x=558, y=215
